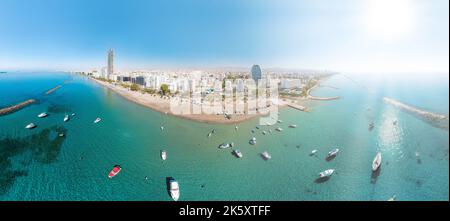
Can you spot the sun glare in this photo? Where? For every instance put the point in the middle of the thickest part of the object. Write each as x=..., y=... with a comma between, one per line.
x=389, y=18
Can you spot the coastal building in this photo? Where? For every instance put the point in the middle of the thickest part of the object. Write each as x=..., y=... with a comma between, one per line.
x=240, y=85
x=139, y=80
x=290, y=84
x=256, y=73
x=110, y=62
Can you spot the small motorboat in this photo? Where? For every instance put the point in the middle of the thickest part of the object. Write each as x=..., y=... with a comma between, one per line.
x=371, y=126
x=42, y=115
x=392, y=198
x=265, y=155
x=333, y=152
x=209, y=134
x=224, y=146
x=73, y=114
x=30, y=126
x=264, y=132
x=61, y=135
x=313, y=152
x=174, y=189
x=376, y=162
x=293, y=126
x=279, y=129
x=162, y=128
x=236, y=127
x=237, y=153
x=163, y=155
x=253, y=141
x=97, y=120
x=66, y=118
x=116, y=169
x=326, y=173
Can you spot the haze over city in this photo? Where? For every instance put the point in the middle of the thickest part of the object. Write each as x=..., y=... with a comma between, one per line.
x=350, y=35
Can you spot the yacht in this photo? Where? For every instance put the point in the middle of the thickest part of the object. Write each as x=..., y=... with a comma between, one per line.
x=224, y=146
x=266, y=155
x=293, y=126
x=238, y=153
x=253, y=141
x=174, y=189
x=333, y=152
x=279, y=129
x=66, y=118
x=116, y=169
x=163, y=155
x=326, y=173
x=30, y=126
x=376, y=162
x=42, y=115
x=97, y=120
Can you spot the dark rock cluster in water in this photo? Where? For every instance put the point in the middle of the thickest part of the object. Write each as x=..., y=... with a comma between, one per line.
x=43, y=147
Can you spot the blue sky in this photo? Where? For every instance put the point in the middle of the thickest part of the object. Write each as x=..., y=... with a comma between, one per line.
x=346, y=35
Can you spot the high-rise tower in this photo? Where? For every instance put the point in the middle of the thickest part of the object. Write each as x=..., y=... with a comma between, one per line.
x=110, y=62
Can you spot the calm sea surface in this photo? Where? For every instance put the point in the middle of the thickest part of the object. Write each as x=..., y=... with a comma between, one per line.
x=39, y=165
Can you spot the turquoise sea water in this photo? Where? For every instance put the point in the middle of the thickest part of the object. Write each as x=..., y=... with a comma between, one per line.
x=38, y=165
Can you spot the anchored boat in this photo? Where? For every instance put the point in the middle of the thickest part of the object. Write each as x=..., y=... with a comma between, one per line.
x=376, y=162
x=116, y=169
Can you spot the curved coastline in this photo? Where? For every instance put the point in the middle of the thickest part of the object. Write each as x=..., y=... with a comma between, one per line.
x=309, y=96
x=163, y=106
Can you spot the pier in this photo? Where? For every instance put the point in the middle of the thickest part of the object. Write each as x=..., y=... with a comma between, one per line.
x=298, y=107
x=52, y=90
x=14, y=108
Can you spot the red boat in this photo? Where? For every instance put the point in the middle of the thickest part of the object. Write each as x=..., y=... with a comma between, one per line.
x=116, y=169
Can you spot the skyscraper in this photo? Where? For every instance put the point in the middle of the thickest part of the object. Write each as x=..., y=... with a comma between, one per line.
x=110, y=62
x=256, y=73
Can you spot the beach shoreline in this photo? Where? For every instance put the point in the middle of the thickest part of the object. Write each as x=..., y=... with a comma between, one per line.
x=162, y=105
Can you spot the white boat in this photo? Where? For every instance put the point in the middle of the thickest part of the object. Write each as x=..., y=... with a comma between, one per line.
x=376, y=162
x=236, y=127
x=253, y=141
x=174, y=189
x=163, y=155
x=238, y=153
x=266, y=155
x=73, y=114
x=97, y=120
x=313, y=152
x=293, y=126
x=66, y=118
x=264, y=132
x=392, y=198
x=42, y=115
x=209, y=134
x=224, y=146
x=162, y=128
x=333, y=152
x=61, y=135
x=279, y=129
x=326, y=173
x=30, y=126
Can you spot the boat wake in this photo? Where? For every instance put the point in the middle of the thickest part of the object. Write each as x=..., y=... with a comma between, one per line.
x=435, y=120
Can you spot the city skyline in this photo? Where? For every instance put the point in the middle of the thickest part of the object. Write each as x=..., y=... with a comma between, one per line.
x=350, y=36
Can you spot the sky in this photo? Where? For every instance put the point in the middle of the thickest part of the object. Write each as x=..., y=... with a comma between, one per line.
x=345, y=35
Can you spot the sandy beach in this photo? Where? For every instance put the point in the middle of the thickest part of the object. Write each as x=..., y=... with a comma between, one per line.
x=162, y=105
